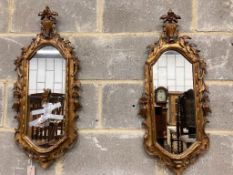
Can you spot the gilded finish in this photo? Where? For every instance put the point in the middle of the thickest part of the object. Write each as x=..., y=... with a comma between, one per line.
x=47, y=37
x=170, y=40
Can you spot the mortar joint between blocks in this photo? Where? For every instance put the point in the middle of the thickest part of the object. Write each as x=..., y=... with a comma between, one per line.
x=138, y=132
x=100, y=105
x=7, y=130
x=99, y=15
x=194, y=16
x=112, y=35
x=220, y=132
x=5, y=103
x=219, y=82
x=59, y=166
x=10, y=15
x=105, y=82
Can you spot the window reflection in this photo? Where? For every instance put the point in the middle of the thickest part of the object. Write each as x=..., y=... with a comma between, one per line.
x=47, y=70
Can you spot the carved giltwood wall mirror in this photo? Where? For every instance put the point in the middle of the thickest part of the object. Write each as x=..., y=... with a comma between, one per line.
x=46, y=94
x=175, y=102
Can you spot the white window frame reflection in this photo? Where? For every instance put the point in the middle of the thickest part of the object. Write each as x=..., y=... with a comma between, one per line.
x=173, y=72
x=47, y=69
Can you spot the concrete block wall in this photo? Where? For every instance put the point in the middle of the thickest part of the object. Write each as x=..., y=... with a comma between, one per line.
x=110, y=38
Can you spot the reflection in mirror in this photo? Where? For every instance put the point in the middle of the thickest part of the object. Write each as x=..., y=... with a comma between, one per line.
x=47, y=72
x=174, y=102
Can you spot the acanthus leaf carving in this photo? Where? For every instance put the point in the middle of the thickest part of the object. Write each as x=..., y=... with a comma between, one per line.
x=143, y=102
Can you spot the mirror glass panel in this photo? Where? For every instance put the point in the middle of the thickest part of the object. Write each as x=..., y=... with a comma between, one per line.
x=174, y=105
x=46, y=97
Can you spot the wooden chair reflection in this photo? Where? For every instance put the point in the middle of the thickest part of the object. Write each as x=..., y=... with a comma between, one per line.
x=46, y=136
x=185, y=124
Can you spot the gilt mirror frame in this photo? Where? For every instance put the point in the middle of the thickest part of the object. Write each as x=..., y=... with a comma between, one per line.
x=47, y=37
x=170, y=40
